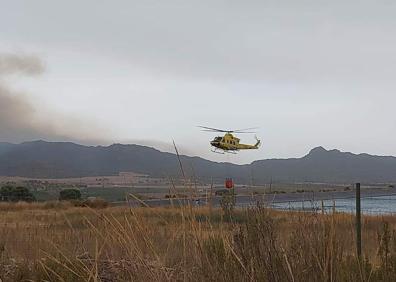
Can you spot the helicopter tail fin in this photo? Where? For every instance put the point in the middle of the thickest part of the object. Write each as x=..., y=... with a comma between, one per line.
x=258, y=143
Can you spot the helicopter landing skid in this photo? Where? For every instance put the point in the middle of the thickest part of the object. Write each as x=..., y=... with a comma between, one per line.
x=223, y=152
x=218, y=152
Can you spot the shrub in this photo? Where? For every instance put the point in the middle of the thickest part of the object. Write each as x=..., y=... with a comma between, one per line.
x=227, y=203
x=97, y=203
x=69, y=194
x=15, y=194
x=222, y=192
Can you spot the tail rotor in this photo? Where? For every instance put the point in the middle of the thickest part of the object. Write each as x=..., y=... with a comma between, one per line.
x=258, y=143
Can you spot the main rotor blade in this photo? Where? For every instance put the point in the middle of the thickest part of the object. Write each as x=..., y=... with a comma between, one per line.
x=239, y=130
x=211, y=129
x=214, y=129
x=208, y=130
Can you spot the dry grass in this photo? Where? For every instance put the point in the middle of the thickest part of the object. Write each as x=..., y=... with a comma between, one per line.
x=60, y=242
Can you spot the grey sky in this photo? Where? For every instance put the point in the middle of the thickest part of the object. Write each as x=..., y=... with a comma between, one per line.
x=307, y=72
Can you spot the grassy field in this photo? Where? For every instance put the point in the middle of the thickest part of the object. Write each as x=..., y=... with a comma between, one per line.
x=59, y=242
x=115, y=188
x=110, y=194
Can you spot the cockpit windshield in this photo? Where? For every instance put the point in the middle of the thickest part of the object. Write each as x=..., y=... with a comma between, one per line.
x=217, y=139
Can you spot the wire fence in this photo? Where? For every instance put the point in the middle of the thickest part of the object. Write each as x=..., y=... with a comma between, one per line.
x=370, y=205
x=377, y=204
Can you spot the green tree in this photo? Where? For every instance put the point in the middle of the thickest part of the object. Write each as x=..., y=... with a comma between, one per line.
x=15, y=194
x=69, y=194
x=5, y=193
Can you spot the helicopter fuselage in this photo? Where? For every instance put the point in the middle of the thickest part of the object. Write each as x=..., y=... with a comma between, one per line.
x=228, y=142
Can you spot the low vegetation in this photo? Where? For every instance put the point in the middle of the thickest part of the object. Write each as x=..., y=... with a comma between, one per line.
x=69, y=194
x=61, y=242
x=10, y=193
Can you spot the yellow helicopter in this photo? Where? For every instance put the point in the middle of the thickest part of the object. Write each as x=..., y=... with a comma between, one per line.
x=229, y=143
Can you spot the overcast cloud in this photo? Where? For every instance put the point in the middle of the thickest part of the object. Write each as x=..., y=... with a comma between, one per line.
x=308, y=73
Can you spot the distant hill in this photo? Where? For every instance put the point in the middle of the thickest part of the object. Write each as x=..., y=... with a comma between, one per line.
x=64, y=159
x=4, y=147
x=330, y=166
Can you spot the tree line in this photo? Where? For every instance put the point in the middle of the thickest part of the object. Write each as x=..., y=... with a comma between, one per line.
x=11, y=193
x=15, y=194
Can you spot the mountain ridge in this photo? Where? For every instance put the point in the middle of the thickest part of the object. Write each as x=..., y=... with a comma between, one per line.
x=42, y=159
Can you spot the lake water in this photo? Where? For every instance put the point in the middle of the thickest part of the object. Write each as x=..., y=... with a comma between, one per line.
x=371, y=205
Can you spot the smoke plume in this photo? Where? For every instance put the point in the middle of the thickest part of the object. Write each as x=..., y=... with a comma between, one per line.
x=19, y=118
x=11, y=64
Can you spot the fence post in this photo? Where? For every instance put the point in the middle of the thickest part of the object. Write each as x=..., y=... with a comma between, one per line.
x=358, y=223
x=323, y=211
x=334, y=207
x=210, y=198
